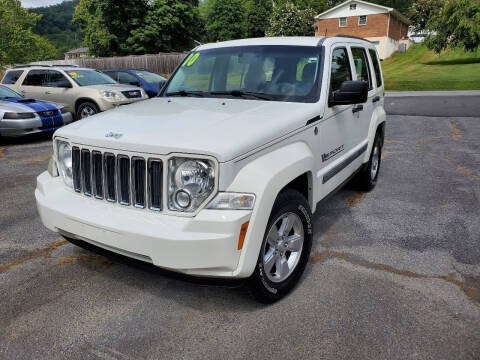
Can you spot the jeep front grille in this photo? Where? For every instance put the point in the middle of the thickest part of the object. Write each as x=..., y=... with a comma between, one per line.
x=129, y=180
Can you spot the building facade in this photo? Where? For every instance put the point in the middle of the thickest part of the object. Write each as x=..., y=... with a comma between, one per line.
x=384, y=26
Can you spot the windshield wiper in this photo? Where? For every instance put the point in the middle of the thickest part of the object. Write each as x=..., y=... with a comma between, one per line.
x=185, y=93
x=239, y=93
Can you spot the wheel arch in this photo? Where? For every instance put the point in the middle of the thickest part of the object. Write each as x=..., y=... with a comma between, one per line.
x=290, y=166
x=378, y=123
x=82, y=100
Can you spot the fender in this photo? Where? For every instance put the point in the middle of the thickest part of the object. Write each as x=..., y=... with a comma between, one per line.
x=266, y=177
x=378, y=117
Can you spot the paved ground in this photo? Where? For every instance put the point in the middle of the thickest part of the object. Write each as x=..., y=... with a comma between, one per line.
x=394, y=274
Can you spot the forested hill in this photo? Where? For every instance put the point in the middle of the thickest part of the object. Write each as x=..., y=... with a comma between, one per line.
x=56, y=25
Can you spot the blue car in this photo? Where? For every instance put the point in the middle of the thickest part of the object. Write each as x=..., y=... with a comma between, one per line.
x=150, y=82
x=23, y=116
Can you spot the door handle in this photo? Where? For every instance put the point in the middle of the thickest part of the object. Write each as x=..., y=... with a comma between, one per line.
x=357, y=108
x=48, y=93
x=375, y=99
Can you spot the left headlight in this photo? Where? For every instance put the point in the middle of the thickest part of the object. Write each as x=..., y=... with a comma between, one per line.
x=190, y=183
x=64, y=158
x=111, y=95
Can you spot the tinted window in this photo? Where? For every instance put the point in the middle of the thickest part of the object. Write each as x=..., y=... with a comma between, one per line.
x=55, y=79
x=11, y=77
x=126, y=78
x=376, y=67
x=362, y=67
x=35, y=78
x=150, y=77
x=341, y=70
x=112, y=74
x=280, y=73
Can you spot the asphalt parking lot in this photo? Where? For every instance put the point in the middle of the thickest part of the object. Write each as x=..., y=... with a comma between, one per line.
x=394, y=273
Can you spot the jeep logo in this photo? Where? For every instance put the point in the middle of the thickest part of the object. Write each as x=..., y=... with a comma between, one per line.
x=113, y=135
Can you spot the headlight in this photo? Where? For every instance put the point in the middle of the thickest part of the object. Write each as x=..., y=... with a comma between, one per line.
x=64, y=157
x=232, y=201
x=111, y=95
x=19, y=116
x=190, y=183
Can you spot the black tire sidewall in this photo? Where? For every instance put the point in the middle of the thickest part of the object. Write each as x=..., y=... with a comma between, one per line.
x=373, y=182
x=264, y=289
x=83, y=105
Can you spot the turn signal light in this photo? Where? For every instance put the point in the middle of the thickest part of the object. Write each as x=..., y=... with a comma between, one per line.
x=241, y=238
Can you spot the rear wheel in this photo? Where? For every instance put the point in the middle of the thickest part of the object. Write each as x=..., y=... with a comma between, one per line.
x=285, y=249
x=366, y=179
x=86, y=109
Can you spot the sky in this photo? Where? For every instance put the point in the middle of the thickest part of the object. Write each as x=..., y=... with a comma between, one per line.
x=38, y=3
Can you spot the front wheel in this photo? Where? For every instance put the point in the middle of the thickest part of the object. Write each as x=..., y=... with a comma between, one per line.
x=86, y=109
x=285, y=249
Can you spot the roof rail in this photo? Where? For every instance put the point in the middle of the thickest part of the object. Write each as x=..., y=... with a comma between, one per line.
x=28, y=65
x=65, y=65
x=352, y=37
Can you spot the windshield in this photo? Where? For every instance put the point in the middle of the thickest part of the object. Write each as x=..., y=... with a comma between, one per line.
x=6, y=93
x=90, y=77
x=280, y=73
x=149, y=77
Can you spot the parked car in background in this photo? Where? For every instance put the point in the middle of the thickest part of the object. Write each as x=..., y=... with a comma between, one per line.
x=84, y=92
x=150, y=82
x=22, y=116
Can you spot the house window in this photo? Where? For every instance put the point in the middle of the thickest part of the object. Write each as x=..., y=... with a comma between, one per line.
x=353, y=6
x=362, y=20
x=343, y=22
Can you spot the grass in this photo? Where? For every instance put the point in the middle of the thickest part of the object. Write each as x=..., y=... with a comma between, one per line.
x=421, y=70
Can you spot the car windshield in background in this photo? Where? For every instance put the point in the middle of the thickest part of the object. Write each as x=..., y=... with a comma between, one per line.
x=6, y=93
x=89, y=77
x=149, y=77
x=279, y=73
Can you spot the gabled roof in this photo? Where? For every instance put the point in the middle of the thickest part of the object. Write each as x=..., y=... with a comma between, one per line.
x=387, y=9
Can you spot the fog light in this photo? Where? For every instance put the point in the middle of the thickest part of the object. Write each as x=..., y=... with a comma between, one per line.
x=183, y=199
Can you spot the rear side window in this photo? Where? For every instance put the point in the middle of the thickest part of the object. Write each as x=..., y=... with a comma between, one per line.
x=35, y=78
x=376, y=67
x=341, y=70
x=11, y=77
x=362, y=68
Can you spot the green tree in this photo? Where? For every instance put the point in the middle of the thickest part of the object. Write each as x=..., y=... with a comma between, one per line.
x=422, y=11
x=108, y=24
x=458, y=25
x=259, y=12
x=18, y=44
x=225, y=19
x=169, y=25
x=289, y=20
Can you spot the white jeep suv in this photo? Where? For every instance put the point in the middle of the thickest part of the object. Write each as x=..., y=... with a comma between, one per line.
x=220, y=174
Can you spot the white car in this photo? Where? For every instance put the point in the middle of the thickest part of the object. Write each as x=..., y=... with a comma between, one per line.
x=220, y=175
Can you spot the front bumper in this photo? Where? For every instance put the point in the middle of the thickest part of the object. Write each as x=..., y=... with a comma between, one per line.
x=30, y=126
x=204, y=245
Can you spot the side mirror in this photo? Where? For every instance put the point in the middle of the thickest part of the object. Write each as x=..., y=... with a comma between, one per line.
x=65, y=85
x=351, y=92
x=135, y=83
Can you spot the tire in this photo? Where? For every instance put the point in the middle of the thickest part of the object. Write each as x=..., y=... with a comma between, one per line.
x=267, y=283
x=366, y=179
x=86, y=109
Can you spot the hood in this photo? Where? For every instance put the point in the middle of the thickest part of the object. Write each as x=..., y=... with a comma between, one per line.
x=26, y=105
x=118, y=87
x=223, y=128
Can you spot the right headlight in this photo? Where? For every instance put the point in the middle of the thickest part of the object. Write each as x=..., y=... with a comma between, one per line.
x=64, y=159
x=190, y=183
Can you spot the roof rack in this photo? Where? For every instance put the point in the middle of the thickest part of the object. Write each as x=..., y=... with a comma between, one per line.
x=65, y=65
x=29, y=65
x=352, y=37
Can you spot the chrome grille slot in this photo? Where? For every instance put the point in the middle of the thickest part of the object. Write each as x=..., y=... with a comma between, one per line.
x=86, y=172
x=110, y=177
x=97, y=167
x=155, y=180
x=77, y=180
x=138, y=181
x=123, y=179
